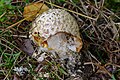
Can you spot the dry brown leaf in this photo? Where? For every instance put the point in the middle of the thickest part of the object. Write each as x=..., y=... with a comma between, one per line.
x=33, y=9
x=26, y=46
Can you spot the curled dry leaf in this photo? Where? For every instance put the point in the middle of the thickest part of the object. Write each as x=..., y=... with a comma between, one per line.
x=33, y=9
x=26, y=46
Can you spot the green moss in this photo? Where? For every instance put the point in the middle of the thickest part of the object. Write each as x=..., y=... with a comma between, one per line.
x=113, y=5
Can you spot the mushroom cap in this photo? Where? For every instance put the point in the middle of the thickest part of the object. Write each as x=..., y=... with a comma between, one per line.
x=52, y=21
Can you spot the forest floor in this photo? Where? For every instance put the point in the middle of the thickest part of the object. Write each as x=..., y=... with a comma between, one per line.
x=99, y=22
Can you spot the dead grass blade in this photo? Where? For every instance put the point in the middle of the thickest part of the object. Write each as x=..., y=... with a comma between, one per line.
x=72, y=11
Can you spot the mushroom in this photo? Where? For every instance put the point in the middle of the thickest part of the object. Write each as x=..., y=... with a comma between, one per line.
x=56, y=30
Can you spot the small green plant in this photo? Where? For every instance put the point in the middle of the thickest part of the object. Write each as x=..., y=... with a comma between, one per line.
x=113, y=5
x=60, y=1
x=5, y=7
